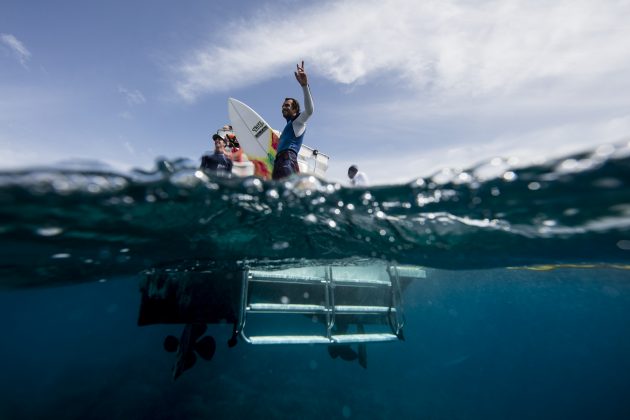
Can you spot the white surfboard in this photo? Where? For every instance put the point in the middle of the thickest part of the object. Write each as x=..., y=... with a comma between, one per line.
x=255, y=136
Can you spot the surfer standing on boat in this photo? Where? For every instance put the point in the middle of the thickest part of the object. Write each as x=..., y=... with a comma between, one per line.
x=286, y=162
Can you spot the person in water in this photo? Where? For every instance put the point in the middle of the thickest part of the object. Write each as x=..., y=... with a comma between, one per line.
x=357, y=178
x=290, y=141
x=217, y=162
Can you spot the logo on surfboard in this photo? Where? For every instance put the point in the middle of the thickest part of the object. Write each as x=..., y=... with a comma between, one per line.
x=259, y=129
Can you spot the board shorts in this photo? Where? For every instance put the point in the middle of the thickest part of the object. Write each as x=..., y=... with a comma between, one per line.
x=285, y=165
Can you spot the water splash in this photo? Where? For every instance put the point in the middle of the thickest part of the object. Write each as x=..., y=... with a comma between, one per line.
x=496, y=214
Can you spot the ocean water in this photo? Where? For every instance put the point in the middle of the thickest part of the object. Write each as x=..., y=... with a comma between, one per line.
x=524, y=311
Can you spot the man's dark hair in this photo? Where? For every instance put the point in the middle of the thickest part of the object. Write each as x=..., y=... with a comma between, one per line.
x=295, y=104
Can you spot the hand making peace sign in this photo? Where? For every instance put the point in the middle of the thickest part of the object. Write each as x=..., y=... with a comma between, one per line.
x=300, y=75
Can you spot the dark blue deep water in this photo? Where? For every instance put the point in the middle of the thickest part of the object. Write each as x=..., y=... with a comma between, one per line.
x=524, y=311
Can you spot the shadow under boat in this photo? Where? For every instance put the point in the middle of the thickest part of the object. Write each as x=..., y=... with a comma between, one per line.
x=340, y=306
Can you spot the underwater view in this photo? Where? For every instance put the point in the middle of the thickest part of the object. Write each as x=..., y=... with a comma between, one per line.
x=500, y=291
x=336, y=209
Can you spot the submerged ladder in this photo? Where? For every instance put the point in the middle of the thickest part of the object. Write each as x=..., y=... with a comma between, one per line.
x=327, y=311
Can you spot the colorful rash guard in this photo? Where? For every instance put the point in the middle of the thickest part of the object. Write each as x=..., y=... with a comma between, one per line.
x=293, y=133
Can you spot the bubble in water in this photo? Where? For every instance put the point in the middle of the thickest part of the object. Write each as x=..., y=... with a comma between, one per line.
x=573, y=165
x=285, y=300
x=444, y=176
x=332, y=223
x=318, y=201
x=93, y=188
x=49, y=231
x=605, y=150
x=509, y=176
x=310, y=218
x=607, y=183
x=254, y=183
x=624, y=244
x=61, y=186
x=60, y=255
x=464, y=178
x=534, y=186
x=277, y=246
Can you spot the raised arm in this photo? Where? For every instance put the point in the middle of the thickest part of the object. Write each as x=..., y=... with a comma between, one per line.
x=300, y=121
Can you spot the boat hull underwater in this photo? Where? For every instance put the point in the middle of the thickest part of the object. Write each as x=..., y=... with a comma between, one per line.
x=340, y=306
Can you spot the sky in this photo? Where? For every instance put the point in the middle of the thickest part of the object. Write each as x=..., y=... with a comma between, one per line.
x=402, y=88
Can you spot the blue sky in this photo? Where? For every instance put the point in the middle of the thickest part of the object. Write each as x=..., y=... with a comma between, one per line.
x=401, y=88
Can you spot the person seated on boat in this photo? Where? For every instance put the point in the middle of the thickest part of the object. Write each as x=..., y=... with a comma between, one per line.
x=290, y=141
x=217, y=162
x=357, y=178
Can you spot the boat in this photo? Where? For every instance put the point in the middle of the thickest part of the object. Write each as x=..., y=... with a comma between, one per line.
x=311, y=161
x=333, y=305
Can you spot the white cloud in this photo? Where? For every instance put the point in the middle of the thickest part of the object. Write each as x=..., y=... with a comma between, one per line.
x=521, y=149
x=133, y=97
x=451, y=48
x=17, y=47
